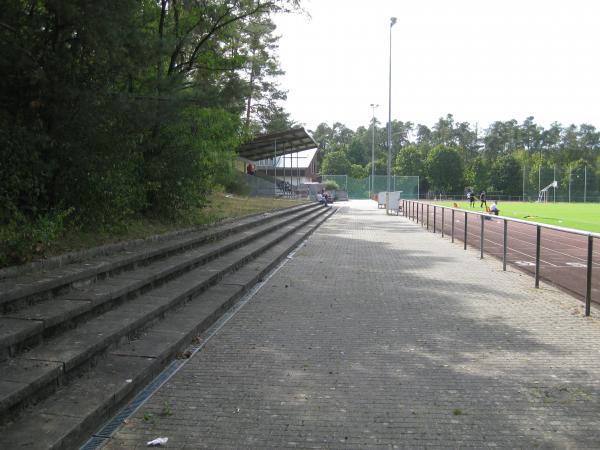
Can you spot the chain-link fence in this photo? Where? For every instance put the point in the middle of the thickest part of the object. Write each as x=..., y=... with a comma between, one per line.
x=574, y=183
x=358, y=188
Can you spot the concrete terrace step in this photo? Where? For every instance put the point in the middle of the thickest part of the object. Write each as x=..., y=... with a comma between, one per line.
x=27, y=288
x=28, y=326
x=73, y=413
x=65, y=356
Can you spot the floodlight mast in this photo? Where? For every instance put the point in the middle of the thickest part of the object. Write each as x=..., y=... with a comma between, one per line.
x=372, y=187
x=389, y=161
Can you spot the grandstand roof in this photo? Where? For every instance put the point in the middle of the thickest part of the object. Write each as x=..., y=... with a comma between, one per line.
x=283, y=143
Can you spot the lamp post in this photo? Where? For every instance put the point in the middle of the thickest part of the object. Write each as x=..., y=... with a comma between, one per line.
x=372, y=187
x=389, y=161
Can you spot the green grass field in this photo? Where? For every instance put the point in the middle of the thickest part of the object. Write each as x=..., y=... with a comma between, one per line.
x=582, y=216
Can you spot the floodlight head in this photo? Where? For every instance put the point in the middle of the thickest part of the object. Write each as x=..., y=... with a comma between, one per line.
x=392, y=21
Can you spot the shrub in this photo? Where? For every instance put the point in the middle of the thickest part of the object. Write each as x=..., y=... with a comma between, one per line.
x=24, y=239
x=331, y=185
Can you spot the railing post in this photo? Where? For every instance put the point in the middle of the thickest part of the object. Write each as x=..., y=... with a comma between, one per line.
x=434, y=217
x=504, y=245
x=481, y=238
x=452, y=227
x=417, y=213
x=465, y=240
x=537, y=255
x=443, y=210
x=422, y=211
x=428, y=216
x=588, y=290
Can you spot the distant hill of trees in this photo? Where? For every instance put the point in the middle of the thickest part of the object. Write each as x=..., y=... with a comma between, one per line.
x=506, y=158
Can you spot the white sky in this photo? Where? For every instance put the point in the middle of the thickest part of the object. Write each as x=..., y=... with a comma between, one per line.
x=480, y=60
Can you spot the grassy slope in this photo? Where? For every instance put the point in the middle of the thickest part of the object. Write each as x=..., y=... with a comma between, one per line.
x=582, y=216
x=222, y=206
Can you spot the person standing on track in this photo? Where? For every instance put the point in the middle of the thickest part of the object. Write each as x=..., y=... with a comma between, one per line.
x=482, y=199
x=471, y=198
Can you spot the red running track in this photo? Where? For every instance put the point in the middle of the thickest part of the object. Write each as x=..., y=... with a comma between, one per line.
x=563, y=255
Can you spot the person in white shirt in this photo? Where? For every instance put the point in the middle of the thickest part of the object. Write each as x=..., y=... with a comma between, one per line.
x=494, y=209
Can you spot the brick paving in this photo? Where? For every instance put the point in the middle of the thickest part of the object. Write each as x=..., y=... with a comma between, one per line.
x=378, y=334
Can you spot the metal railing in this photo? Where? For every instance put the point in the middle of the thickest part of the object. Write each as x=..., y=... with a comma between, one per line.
x=569, y=253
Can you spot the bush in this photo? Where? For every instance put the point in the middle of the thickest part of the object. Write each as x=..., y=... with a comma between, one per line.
x=331, y=185
x=23, y=239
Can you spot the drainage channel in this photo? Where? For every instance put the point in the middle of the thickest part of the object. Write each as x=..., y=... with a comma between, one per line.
x=102, y=436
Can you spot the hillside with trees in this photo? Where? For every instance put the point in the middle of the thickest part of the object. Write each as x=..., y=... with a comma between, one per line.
x=116, y=110
x=507, y=158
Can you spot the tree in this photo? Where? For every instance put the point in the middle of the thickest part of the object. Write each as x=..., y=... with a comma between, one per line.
x=445, y=169
x=582, y=178
x=409, y=161
x=335, y=163
x=506, y=176
x=477, y=174
x=358, y=171
x=107, y=107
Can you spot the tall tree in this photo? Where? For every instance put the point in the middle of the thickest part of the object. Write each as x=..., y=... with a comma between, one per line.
x=506, y=176
x=445, y=169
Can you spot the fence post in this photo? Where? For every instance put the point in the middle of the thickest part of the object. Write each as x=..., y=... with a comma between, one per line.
x=428, y=216
x=504, y=244
x=422, y=211
x=417, y=213
x=537, y=255
x=465, y=241
x=481, y=238
x=452, y=228
x=588, y=290
x=443, y=210
x=434, y=217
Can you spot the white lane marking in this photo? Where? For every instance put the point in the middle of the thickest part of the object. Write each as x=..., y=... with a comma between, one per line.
x=524, y=263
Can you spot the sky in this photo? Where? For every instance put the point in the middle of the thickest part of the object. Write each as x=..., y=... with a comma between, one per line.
x=479, y=60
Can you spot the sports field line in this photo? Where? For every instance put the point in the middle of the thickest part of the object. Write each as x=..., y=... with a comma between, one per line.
x=516, y=234
x=548, y=249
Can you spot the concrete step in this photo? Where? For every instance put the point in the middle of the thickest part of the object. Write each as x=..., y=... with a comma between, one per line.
x=61, y=358
x=28, y=326
x=74, y=412
x=28, y=288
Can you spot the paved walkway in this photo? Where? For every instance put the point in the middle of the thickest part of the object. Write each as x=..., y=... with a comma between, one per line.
x=378, y=334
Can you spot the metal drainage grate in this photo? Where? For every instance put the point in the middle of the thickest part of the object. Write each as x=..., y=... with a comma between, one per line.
x=100, y=438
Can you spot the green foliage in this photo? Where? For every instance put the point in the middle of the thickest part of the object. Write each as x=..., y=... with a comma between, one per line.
x=331, y=185
x=583, y=181
x=336, y=163
x=114, y=110
x=24, y=239
x=445, y=169
x=506, y=176
x=358, y=171
x=477, y=174
x=410, y=161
